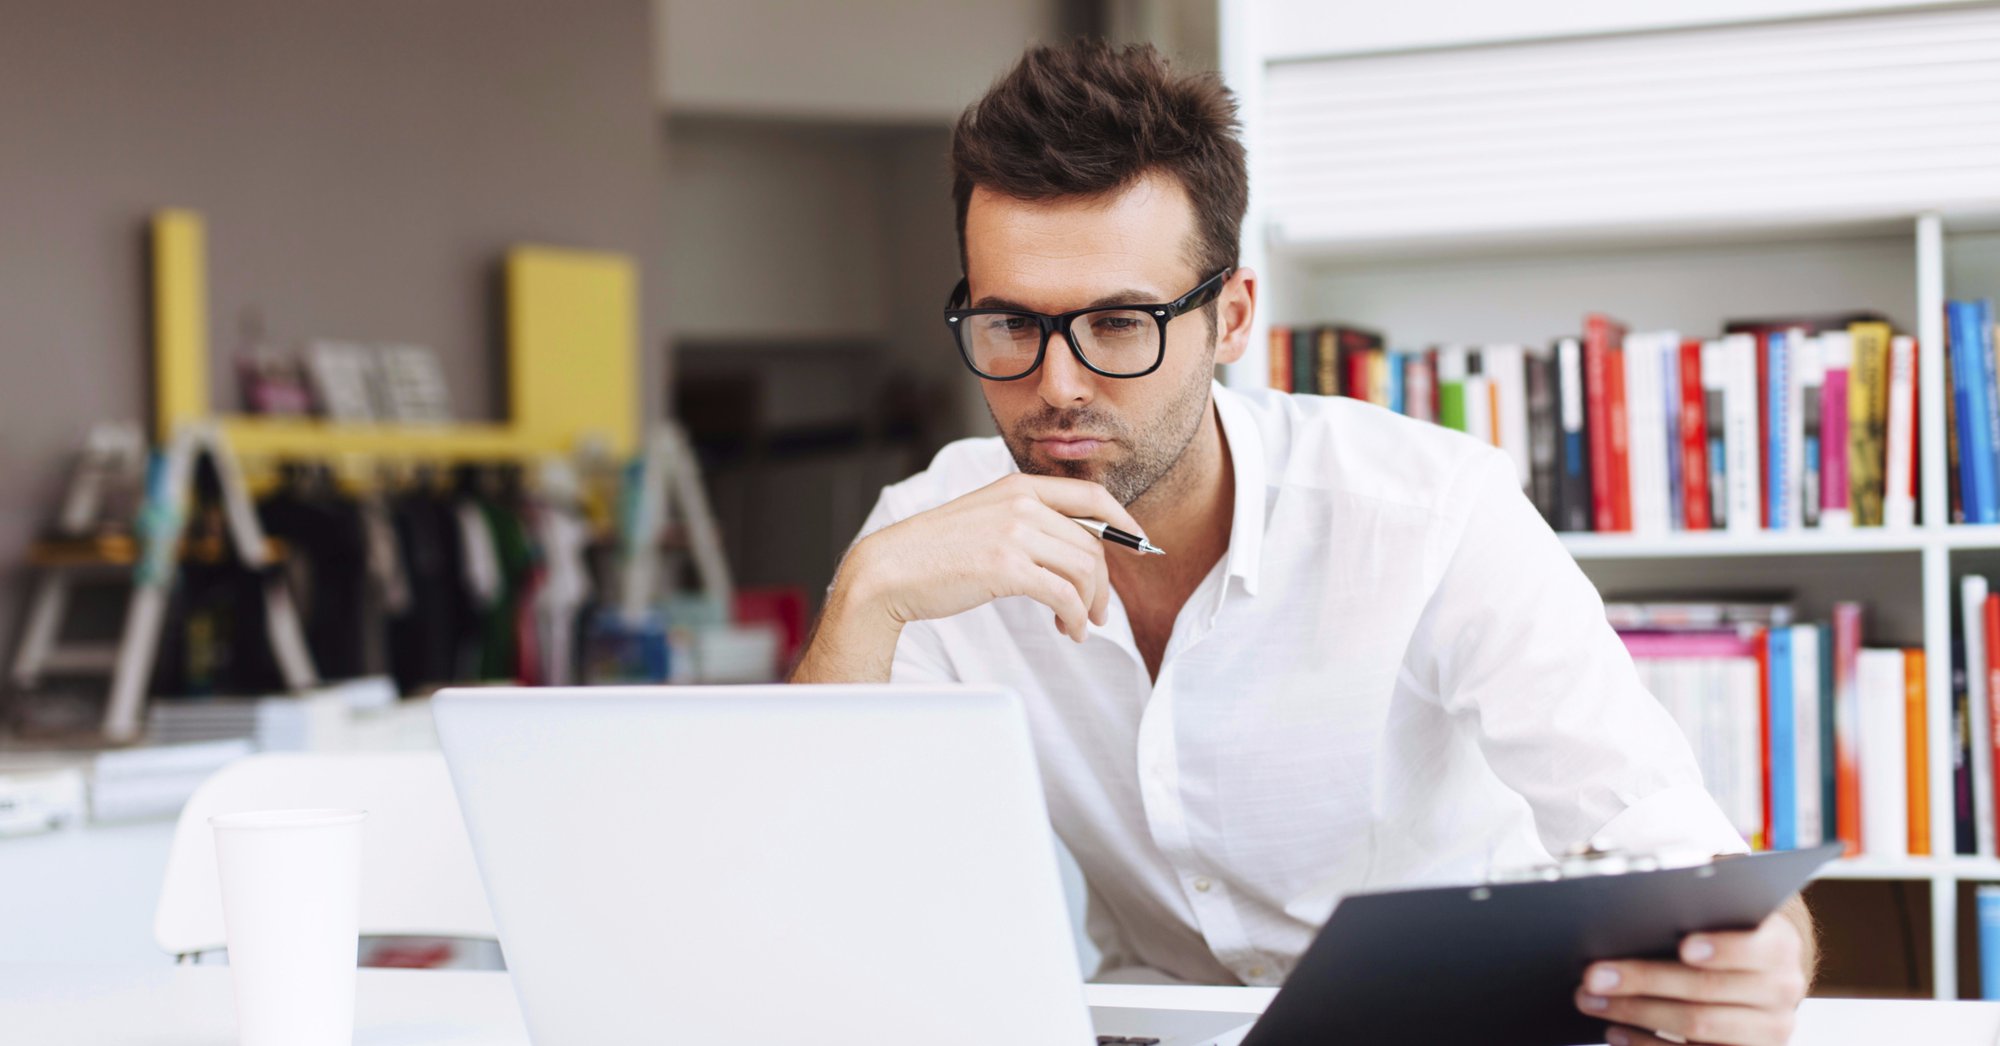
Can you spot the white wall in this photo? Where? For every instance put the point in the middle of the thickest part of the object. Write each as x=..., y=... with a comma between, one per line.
x=870, y=60
x=1298, y=28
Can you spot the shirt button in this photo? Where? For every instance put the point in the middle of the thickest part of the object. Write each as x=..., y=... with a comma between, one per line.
x=1256, y=971
x=1201, y=884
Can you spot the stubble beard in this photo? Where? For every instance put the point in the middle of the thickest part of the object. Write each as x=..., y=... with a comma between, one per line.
x=1153, y=450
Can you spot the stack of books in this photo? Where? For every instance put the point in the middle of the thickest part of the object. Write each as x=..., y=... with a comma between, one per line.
x=1786, y=424
x=1803, y=734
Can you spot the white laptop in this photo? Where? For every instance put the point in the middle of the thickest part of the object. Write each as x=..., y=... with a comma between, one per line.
x=825, y=865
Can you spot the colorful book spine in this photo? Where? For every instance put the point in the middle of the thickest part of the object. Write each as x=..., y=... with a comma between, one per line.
x=1917, y=731
x=1885, y=804
x=1987, y=901
x=1302, y=359
x=1989, y=627
x=1714, y=394
x=1597, y=369
x=1836, y=354
x=1280, y=360
x=1543, y=434
x=1989, y=389
x=1452, y=370
x=1806, y=433
x=1397, y=365
x=1867, y=396
x=1573, y=446
x=1808, y=756
x=1778, y=381
x=1847, y=724
x=1326, y=362
x=1740, y=431
x=1693, y=417
x=1899, y=496
x=1973, y=591
x=1782, y=737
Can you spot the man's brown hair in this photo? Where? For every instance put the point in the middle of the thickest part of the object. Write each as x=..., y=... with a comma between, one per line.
x=1086, y=119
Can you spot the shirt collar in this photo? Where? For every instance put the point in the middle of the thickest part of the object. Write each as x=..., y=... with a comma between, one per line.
x=1246, y=455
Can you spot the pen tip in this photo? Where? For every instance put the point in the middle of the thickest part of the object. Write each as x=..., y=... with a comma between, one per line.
x=1151, y=549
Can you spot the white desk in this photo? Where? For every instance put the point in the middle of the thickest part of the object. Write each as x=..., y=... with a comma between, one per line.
x=166, y=1005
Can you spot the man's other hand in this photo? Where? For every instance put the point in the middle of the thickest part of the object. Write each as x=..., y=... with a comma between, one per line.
x=1728, y=989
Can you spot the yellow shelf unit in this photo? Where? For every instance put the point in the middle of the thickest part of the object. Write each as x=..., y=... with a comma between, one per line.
x=572, y=364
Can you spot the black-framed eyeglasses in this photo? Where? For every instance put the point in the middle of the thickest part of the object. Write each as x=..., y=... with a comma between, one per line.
x=1116, y=341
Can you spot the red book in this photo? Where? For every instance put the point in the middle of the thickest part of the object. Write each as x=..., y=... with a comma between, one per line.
x=1992, y=670
x=1621, y=440
x=1694, y=440
x=1598, y=337
x=1847, y=725
x=1762, y=645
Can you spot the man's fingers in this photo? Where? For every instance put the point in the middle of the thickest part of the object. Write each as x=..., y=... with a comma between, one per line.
x=1772, y=945
x=1721, y=1025
x=1080, y=497
x=1673, y=980
x=1054, y=591
x=1083, y=567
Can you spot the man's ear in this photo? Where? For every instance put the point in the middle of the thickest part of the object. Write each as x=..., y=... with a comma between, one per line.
x=1234, y=309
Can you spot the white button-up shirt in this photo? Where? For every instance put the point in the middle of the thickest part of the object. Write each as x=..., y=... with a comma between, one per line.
x=1395, y=675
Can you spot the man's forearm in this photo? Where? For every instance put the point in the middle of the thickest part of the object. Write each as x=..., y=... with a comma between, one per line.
x=848, y=643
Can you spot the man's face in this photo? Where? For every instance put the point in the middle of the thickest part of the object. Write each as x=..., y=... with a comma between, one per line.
x=1130, y=246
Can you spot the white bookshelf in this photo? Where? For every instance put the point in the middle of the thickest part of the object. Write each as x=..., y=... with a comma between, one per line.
x=1828, y=157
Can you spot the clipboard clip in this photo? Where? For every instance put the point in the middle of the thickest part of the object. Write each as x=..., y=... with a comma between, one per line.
x=1599, y=856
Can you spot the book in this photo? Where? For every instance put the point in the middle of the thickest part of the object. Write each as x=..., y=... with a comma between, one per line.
x=1899, y=496
x=1981, y=335
x=1670, y=436
x=1646, y=451
x=1973, y=591
x=1885, y=828
x=1597, y=363
x=1506, y=368
x=1917, y=731
x=1806, y=431
x=1694, y=438
x=1781, y=395
x=1781, y=732
x=1543, y=434
x=1740, y=434
x=1420, y=387
x=1452, y=364
x=1326, y=362
x=1836, y=356
x=1280, y=360
x=1986, y=900
x=1302, y=359
x=1867, y=399
x=1573, y=495
x=1808, y=756
x=1847, y=724
x=1714, y=386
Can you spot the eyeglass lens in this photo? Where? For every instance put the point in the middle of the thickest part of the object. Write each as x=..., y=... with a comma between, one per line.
x=1116, y=341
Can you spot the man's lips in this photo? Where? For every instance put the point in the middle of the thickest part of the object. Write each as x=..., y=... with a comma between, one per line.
x=1070, y=447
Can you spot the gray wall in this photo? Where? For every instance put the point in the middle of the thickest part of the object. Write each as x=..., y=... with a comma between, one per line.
x=361, y=163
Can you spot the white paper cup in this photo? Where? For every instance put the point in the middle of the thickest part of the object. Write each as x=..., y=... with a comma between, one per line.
x=291, y=887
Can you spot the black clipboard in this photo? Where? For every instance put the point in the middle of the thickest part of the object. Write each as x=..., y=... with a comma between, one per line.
x=1500, y=964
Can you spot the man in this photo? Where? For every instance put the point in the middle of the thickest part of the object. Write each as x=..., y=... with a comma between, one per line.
x=1364, y=660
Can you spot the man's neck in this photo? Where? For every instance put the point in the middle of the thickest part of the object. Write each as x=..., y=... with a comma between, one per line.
x=1189, y=511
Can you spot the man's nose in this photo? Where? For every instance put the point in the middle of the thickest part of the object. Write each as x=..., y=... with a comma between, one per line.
x=1065, y=381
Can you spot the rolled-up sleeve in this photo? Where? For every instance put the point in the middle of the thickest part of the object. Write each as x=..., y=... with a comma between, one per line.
x=1514, y=639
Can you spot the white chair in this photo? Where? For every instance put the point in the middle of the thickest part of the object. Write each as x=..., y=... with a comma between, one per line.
x=418, y=877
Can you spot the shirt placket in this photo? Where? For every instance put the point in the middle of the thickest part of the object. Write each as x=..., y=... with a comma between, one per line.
x=1207, y=892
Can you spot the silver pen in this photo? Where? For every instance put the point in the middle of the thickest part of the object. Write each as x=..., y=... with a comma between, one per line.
x=1118, y=537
